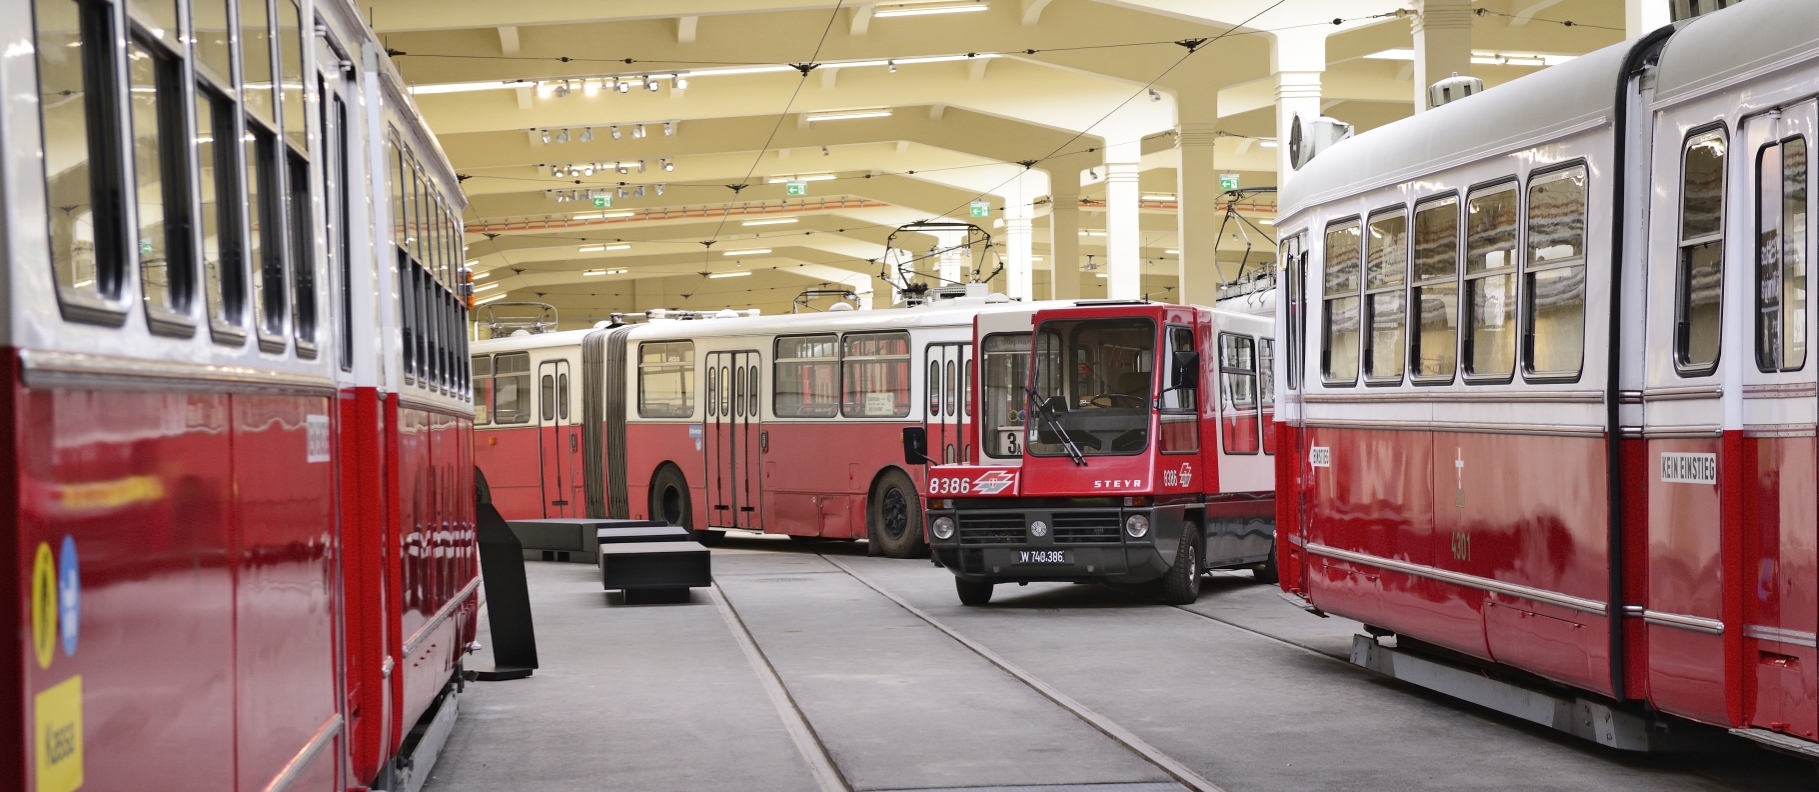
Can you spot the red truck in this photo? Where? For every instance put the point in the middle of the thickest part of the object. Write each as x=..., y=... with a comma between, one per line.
x=1118, y=441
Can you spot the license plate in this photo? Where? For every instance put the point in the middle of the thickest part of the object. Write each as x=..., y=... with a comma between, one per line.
x=1043, y=557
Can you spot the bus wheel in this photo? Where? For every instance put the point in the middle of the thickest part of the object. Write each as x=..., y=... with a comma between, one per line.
x=972, y=593
x=896, y=517
x=670, y=503
x=1266, y=571
x=1181, y=586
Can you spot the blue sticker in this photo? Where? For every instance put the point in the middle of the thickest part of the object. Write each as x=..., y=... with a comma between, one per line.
x=694, y=430
x=69, y=595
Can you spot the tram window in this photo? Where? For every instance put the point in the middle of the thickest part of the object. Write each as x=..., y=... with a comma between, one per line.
x=160, y=176
x=81, y=159
x=340, y=241
x=256, y=58
x=511, y=387
x=483, y=390
x=1435, y=298
x=807, y=368
x=1004, y=401
x=1700, y=280
x=666, y=379
x=290, y=69
x=713, y=391
x=934, y=389
x=400, y=212
x=1292, y=263
x=1781, y=176
x=1266, y=391
x=1385, y=273
x=1179, y=423
x=875, y=369
x=751, y=394
x=222, y=270
x=1238, y=393
x=548, y=401
x=303, y=254
x=1339, y=328
x=1554, y=286
x=1490, y=282
x=407, y=322
x=263, y=248
x=950, y=387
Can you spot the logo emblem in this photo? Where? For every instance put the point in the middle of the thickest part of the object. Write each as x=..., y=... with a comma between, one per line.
x=1187, y=474
x=994, y=482
x=1038, y=528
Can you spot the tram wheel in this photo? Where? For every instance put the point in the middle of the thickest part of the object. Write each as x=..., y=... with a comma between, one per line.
x=1266, y=571
x=973, y=592
x=896, y=517
x=670, y=503
x=1181, y=585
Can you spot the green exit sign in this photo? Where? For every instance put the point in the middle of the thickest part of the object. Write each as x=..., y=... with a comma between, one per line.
x=981, y=209
x=603, y=201
x=795, y=188
x=1228, y=181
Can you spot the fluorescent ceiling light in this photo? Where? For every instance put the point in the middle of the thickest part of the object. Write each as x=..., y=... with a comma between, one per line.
x=778, y=221
x=1267, y=222
x=1171, y=252
x=1102, y=274
x=478, y=289
x=473, y=262
x=849, y=114
x=920, y=10
x=1084, y=232
x=1035, y=258
x=752, y=252
x=1158, y=197
x=1485, y=57
x=591, y=273
x=1267, y=142
x=599, y=248
x=740, y=274
x=468, y=86
x=808, y=178
x=479, y=275
x=601, y=215
x=500, y=296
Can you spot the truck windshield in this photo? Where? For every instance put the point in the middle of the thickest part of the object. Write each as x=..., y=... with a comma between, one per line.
x=1006, y=376
x=1093, y=381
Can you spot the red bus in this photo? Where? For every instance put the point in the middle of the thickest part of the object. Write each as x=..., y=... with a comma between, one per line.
x=776, y=424
x=1547, y=405
x=236, y=489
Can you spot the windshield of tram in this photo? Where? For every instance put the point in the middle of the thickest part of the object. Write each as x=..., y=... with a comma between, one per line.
x=1093, y=384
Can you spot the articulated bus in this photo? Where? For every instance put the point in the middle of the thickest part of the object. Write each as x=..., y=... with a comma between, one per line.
x=777, y=424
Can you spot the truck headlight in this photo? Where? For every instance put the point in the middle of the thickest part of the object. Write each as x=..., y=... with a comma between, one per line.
x=1137, y=526
x=943, y=527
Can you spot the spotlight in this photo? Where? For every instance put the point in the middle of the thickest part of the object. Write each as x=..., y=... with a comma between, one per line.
x=638, y=193
x=637, y=131
x=587, y=170
x=893, y=66
x=590, y=87
x=615, y=133
x=545, y=136
x=1155, y=97
x=621, y=191
x=667, y=165
x=681, y=83
x=562, y=90
x=562, y=137
x=624, y=169
x=650, y=84
x=622, y=86
x=587, y=134
x=640, y=166
x=544, y=90
x=1092, y=174
x=823, y=151
x=669, y=129
x=660, y=186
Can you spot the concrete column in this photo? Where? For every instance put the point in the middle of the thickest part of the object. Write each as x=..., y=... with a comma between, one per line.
x=954, y=262
x=1298, y=58
x=1123, y=227
x=1641, y=17
x=1443, y=43
x=1064, y=233
x=1019, y=248
x=1197, y=193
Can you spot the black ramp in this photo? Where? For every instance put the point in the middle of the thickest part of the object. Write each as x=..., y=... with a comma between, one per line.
x=508, y=599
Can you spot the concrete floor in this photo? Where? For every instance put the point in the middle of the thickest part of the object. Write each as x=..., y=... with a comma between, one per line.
x=1242, y=688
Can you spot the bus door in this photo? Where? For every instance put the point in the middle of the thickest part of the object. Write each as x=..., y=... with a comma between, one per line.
x=949, y=409
x=731, y=440
x=558, y=442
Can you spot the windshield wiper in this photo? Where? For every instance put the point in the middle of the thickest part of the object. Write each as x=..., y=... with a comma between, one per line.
x=1043, y=414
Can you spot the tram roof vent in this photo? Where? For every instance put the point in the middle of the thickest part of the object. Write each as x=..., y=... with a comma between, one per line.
x=1453, y=89
x=503, y=319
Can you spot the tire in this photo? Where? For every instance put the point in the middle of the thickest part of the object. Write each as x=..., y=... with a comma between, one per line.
x=972, y=593
x=895, y=516
x=1181, y=586
x=1266, y=571
x=670, y=503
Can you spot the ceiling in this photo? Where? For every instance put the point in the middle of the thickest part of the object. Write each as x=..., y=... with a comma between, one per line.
x=973, y=99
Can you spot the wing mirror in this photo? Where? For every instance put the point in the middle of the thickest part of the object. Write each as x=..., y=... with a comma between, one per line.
x=915, y=445
x=1186, y=370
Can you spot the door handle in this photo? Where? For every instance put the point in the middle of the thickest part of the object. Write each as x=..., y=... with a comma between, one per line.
x=572, y=443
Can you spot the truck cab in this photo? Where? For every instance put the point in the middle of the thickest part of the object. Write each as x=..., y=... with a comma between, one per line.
x=1118, y=442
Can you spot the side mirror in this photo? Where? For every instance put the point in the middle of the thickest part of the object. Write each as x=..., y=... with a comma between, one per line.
x=1186, y=370
x=915, y=445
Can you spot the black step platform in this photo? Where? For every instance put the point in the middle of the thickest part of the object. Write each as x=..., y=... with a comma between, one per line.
x=568, y=538
x=652, y=533
x=649, y=572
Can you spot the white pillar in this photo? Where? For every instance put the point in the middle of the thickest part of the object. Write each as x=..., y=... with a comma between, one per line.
x=1197, y=220
x=1123, y=229
x=1298, y=58
x=1641, y=17
x=1019, y=280
x=1443, y=43
x=954, y=258
x=1064, y=234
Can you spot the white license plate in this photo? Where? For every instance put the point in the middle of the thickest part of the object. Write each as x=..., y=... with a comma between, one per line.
x=1043, y=557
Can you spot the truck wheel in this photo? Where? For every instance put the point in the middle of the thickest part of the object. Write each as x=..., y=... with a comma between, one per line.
x=1181, y=586
x=670, y=503
x=1266, y=571
x=896, y=517
x=972, y=593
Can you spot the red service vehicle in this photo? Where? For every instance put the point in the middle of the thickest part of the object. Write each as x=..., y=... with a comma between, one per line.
x=724, y=422
x=236, y=490
x=1119, y=441
x=1582, y=457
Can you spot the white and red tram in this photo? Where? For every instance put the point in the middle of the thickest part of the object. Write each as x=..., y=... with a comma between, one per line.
x=237, y=479
x=780, y=424
x=1547, y=402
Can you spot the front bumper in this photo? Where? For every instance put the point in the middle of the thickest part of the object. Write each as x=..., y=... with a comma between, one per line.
x=993, y=541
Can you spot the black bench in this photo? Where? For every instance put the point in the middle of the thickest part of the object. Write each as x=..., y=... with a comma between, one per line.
x=655, y=571
x=568, y=538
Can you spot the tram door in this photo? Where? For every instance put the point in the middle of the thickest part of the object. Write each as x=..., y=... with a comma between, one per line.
x=558, y=441
x=732, y=438
x=948, y=380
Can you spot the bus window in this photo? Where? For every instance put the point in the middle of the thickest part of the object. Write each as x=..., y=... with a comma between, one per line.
x=1238, y=393
x=1339, y=328
x=74, y=49
x=1433, y=345
x=562, y=395
x=483, y=390
x=1005, y=368
x=1490, y=281
x=1700, y=281
x=548, y=400
x=1094, y=384
x=1781, y=256
x=807, y=367
x=161, y=175
x=934, y=389
x=666, y=379
x=512, y=388
x=1554, y=340
x=1385, y=272
x=1179, y=424
x=875, y=369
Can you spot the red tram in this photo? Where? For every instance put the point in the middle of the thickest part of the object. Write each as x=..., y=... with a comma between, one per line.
x=1547, y=404
x=237, y=485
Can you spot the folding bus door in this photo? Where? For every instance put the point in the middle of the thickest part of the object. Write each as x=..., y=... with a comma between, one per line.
x=732, y=437
x=948, y=377
x=558, y=442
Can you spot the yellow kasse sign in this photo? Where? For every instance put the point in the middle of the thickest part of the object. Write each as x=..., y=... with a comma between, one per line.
x=58, y=734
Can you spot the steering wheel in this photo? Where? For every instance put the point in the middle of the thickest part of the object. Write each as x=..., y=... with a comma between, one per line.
x=1115, y=400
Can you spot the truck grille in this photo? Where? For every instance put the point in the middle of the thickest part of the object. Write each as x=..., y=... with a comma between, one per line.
x=1087, y=528
x=993, y=529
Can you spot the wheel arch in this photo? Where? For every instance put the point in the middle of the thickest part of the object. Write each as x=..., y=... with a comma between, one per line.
x=871, y=491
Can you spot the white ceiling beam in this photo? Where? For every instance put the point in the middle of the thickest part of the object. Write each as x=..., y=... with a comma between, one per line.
x=1032, y=11
x=862, y=19
x=976, y=69
x=508, y=39
x=685, y=29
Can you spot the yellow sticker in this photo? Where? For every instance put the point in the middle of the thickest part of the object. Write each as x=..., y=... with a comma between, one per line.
x=44, y=605
x=59, y=736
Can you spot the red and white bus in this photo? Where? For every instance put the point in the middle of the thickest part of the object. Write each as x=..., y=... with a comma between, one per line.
x=780, y=424
x=236, y=491
x=1547, y=402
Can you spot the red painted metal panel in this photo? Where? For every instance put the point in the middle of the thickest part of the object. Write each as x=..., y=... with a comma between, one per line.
x=1779, y=521
x=509, y=457
x=1686, y=577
